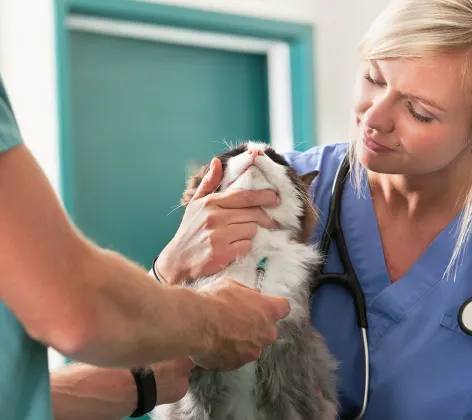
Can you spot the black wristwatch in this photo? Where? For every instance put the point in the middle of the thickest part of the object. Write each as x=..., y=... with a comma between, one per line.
x=147, y=391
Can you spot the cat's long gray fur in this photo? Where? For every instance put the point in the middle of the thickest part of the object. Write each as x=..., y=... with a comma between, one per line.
x=294, y=379
x=291, y=375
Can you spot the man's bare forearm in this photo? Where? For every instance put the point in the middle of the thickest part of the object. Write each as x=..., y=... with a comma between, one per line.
x=82, y=391
x=93, y=393
x=134, y=319
x=90, y=304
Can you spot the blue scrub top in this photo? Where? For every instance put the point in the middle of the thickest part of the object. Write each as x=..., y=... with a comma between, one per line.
x=24, y=375
x=420, y=360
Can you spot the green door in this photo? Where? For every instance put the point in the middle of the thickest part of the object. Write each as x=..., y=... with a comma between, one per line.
x=143, y=114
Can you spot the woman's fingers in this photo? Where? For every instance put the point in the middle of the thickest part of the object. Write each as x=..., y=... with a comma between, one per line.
x=239, y=249
x=238, y=232
x=255, y=215
x=239, y=199
x=210, y=181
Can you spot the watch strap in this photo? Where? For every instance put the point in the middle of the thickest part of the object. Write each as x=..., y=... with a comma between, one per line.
x=147, y=391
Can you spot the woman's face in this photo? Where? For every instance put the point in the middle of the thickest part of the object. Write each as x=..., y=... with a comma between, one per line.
x=412, y=116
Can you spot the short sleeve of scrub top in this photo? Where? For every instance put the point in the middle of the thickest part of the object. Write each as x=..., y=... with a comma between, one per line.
x=420, y=359
x=24, y=375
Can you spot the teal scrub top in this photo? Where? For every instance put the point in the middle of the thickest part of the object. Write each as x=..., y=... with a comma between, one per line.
x=24, y=374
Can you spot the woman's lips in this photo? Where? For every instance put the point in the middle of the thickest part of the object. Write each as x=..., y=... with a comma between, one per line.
x=374, y=146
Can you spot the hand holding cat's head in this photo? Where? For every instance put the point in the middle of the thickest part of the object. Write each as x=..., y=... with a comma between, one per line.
x=256, y=166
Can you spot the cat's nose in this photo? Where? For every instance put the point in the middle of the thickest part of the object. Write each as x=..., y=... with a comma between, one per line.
x=255, y=152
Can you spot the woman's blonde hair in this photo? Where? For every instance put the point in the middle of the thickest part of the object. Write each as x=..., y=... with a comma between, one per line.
x=415, y=29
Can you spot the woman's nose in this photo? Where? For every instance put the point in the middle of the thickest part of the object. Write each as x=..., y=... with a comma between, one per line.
x=379, y=117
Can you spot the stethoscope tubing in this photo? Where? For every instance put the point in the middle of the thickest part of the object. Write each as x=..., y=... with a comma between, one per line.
x=349, y=278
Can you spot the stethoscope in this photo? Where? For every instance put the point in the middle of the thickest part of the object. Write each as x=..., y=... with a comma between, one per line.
x=464, y=317
x=349, y=279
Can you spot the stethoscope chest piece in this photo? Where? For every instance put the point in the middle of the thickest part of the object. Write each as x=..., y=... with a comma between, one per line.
x=464, y=316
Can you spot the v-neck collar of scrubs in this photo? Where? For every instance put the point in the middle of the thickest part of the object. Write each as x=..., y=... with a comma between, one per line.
x=387, y=301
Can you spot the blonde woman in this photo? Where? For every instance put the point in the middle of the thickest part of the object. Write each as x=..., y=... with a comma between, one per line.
x=406, y=217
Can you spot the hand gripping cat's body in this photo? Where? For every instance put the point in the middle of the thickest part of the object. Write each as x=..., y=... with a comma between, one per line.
x=294, y=379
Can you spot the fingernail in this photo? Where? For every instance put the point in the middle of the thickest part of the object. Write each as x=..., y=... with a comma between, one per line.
x=278, y=200
x=212, y=164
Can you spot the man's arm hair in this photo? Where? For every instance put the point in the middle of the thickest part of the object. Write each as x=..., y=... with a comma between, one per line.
x=88, y=303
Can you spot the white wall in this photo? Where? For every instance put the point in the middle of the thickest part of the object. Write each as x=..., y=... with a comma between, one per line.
x=28, y=67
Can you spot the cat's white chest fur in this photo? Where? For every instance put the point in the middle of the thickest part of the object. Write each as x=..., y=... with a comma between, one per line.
x=286, y=270
x=288, y=263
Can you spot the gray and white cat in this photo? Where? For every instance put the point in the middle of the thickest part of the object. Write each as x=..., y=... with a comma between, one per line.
x=295, y=378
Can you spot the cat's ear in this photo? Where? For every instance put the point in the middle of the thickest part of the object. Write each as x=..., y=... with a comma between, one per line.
x=308, y=178
x=192, y=185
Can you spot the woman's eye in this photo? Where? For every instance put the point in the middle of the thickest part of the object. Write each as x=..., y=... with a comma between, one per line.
x=369, y=78
x=417, y=116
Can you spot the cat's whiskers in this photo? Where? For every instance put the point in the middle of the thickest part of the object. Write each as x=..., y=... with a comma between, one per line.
x=299, y=144
x=178, y=206
x=224, y=142
x=306, y=199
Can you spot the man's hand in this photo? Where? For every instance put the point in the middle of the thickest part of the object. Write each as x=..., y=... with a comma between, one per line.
x=242, y=324
x=172, y=379
x=216, y=229
x=81, y=391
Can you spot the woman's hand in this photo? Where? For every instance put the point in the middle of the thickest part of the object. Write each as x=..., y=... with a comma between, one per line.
x=215, y=230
